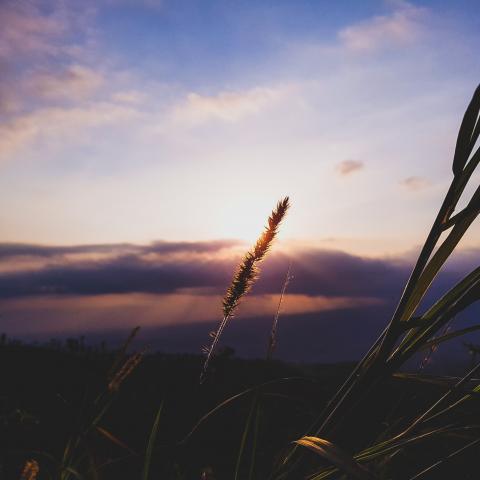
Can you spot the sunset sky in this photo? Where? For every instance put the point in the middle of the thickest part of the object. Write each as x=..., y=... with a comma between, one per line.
x=144, y=143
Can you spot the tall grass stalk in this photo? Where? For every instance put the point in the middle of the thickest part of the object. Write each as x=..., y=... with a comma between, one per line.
x=122, y=352
x=245, y=276
x=126, y=370
x=272, y=343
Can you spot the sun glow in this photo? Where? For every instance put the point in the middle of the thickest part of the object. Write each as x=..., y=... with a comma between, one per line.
x=245, y=220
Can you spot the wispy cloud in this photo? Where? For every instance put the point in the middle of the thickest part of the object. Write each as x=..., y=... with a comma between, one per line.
x=25, y=30
x=400, y=28
x=73, y=82
x=347, y=167
x=52, y=124
x=45, y=30
x=133, y=97
x=414, y=184
x=18, y=250
x=227, y=106
x=154, y=4
x=45, y=50
x=24, y=257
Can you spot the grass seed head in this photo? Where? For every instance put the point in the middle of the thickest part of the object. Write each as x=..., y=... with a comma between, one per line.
x=247, y=271
x=127, y=368
x=246, y=274
x=30, y=470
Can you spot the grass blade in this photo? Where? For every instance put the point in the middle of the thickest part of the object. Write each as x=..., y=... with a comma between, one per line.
x=466, y=136
x=254, y=441
x=439, y=309
x=335, y=456
x=236, y=397
x=121, y=353
x=449, y=336
x=443, y=460
x=243, y=440
x=114, y=439
x=273, y=334
x=151, y=443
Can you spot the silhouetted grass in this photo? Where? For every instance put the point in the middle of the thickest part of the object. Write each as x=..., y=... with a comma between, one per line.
x=408, y=333
x=245, y=276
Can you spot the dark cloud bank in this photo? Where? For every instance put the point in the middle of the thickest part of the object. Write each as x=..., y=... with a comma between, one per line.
x=129, y=269
x=13, y=250
x=342, y=334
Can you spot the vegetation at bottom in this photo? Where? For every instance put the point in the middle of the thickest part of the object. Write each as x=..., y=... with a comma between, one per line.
x=47, y=394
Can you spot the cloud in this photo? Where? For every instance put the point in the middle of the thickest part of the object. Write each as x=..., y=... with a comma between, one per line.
x=229, y=106
x=196, y=267
x=154, y=4
x=8, y=102
x=73, y=82
x=165, y=267
x=348, y=167
x=54, y=123
x=414, y=184
x=40, y=31
x=8, y=250
x=28, y=258
x=45, y=53
x=24, y=29
x=175, y=294
x=400, y=28
x=212, y=246
x=129, y=96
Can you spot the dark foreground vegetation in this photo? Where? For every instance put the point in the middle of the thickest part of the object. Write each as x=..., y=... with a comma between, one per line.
x=47, y=395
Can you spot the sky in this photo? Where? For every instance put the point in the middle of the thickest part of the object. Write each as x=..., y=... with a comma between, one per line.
x=144, y=143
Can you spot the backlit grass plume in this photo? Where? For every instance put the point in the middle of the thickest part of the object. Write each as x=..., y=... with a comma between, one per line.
x=30, y=470
x=127, y=368
x=246, y=275
x=122, y=352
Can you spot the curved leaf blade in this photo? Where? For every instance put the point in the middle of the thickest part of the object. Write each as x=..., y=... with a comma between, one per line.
x=468, y=134
x=336, y=457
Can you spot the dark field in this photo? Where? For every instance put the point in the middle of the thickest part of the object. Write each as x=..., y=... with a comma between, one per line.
x=48, y=398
